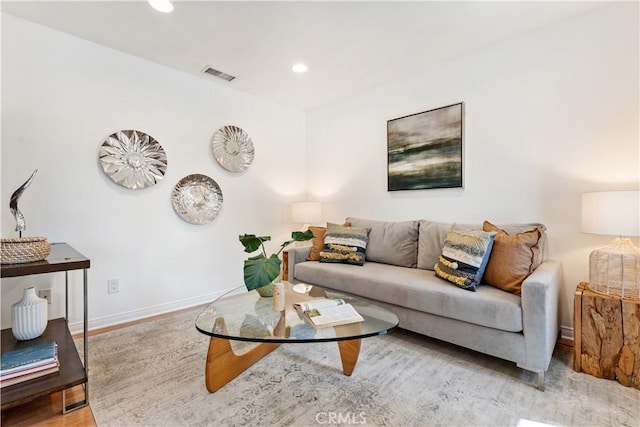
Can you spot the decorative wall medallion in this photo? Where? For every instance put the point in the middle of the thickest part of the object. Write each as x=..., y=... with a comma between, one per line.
x=232, y=148
x=197, y=199
x=133, y=159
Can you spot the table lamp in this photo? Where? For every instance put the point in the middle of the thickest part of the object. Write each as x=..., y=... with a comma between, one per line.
x=614, y=269
x=306, y=213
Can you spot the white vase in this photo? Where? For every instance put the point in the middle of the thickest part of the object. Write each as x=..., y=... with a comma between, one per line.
x=29, y=316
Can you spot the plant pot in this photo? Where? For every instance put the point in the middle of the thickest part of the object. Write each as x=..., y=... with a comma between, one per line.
x=29, y=316
x=265, y=291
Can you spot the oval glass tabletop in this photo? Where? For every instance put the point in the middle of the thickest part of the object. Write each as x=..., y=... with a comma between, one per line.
x=246, y=316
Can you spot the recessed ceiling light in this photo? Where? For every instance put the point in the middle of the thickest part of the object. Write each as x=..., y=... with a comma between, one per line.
x=299, y=68
x=161, y=5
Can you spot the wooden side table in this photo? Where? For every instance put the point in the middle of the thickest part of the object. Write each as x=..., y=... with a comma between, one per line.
x=606, y=336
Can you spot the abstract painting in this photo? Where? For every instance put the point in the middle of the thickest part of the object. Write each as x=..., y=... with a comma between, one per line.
x=425, y=149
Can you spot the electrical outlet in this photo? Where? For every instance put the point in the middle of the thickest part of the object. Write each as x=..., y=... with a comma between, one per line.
x=113, y=285
x=46, y=294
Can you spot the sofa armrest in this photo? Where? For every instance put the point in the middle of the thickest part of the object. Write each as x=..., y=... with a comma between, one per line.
x=291, y=257
x=540, y=300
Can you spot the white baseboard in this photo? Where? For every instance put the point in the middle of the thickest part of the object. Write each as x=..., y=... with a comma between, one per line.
x=130, y=316
x=566, y=333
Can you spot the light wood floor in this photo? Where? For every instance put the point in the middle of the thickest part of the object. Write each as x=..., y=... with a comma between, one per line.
x=47, y=411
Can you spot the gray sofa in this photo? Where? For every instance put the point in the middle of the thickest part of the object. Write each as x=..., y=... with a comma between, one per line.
x=398, y=274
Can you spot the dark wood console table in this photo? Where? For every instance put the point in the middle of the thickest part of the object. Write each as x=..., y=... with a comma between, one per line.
x=72, y=371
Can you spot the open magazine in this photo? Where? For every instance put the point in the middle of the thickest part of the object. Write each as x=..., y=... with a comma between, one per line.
x=323, y=313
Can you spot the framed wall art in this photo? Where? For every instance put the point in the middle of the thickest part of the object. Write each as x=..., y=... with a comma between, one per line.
x=424, y=150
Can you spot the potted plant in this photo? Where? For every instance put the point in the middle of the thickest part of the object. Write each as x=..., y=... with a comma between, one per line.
x=260, y=271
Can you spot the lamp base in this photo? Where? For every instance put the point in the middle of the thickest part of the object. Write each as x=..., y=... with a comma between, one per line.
x=615, y=269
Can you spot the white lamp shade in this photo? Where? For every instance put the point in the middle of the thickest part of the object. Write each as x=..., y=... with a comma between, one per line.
x=614, y=213
x=306, y=212
x=164, y=6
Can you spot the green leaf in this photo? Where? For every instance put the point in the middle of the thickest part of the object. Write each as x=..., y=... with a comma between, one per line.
x=260, y=271
x=251, y=242
x=301, y=236
x=297, y=236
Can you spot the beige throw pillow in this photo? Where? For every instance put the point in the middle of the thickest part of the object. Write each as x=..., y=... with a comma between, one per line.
x=513, y=258
x=317, y=243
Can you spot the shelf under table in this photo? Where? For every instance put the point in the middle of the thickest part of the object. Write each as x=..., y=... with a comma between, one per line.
x=71, y=372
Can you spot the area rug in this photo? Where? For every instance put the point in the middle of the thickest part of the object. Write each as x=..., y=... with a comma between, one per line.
x=152, y=374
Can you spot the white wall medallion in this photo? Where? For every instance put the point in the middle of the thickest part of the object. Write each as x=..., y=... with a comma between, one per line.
x=197, y=199
x=232, y=148
x=133, y=159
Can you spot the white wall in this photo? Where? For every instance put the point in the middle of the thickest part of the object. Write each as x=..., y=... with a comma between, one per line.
x=549, y=115
x=61, y=97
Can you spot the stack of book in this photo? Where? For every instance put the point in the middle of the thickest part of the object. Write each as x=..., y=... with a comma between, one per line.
x=27, y=363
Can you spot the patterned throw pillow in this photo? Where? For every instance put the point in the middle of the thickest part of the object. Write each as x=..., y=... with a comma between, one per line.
x=464, y=257
x=317, y=244
x=345, y=245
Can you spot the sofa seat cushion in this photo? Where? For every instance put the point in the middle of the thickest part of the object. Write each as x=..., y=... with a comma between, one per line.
x=419, y=290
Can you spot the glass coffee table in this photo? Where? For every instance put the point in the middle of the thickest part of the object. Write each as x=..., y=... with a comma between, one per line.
x=246, y=316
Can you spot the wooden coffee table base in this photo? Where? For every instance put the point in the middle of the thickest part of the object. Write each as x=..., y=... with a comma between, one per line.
x=223, y=365
x=349, y=352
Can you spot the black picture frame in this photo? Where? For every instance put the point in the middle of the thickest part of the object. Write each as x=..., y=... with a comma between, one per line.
x=425, y=150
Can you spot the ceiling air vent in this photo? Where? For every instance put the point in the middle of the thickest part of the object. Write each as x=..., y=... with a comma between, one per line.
x=219, y=74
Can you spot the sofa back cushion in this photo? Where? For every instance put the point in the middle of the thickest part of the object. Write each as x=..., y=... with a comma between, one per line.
x=394, y=243
x=430, y=242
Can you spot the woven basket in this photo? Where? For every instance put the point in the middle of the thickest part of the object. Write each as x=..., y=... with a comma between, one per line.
x=24, y=249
